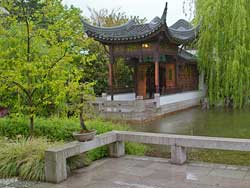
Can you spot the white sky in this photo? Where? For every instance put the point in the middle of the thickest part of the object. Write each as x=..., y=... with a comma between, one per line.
x=142, y=8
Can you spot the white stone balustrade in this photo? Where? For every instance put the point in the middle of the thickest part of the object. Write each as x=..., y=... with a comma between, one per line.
x=55, y=158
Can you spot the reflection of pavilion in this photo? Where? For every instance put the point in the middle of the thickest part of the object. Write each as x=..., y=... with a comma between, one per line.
x=153, y=51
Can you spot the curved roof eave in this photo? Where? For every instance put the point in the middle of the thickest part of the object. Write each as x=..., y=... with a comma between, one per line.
x=182, y=32
x=184, y=37
x=127, y=32
x=187, y=56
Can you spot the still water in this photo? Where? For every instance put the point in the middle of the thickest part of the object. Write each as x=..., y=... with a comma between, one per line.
x=213, y=122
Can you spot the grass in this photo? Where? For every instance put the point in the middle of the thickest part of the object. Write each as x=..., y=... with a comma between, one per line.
x=207, y=155
x=221, y=157
x=23, y=158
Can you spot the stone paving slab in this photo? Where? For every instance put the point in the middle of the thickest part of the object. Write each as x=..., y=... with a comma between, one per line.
x=16, y=183
x=147, y=172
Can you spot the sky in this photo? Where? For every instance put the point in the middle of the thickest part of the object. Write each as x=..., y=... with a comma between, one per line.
x=142, y=8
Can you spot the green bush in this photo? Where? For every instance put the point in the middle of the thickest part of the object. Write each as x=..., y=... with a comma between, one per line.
x=135, y=149
x=59, y=129
x=55, y=129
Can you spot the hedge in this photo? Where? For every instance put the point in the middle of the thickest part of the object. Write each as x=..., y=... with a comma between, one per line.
x=55, y=129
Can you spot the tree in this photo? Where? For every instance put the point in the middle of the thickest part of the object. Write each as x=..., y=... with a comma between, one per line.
x=38, y=42
x=95, y=68
x=224, y=49
x=115, y=17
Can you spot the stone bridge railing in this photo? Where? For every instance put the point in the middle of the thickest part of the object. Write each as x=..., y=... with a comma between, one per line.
x=55, y=158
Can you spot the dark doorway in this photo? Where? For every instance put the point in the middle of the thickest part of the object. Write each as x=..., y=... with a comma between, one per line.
x=150, y=81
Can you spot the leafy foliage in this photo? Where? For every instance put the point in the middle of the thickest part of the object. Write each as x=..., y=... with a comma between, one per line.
x=39, y=44
x=123, y=74
x=115, y=17
x=55, y=129
x=95, y=69
x=224, y=49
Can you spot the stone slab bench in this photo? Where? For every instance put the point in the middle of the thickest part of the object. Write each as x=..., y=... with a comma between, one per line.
x=55, y=158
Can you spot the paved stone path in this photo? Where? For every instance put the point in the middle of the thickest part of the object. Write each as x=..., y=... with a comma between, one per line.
x=15, y=183
x=145, y=172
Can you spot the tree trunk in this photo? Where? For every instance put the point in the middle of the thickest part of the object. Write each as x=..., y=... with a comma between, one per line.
x=31, y=124
x=82, y=123
x=83, y=126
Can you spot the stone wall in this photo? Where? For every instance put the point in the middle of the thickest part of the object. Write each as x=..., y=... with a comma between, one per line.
x=139, y=111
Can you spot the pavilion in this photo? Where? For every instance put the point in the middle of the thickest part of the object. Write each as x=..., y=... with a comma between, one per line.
x=156, y=54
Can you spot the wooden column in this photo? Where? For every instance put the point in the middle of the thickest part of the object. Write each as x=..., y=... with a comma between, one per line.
x=135, y=79
x=157, y=87
x=166, y=76
x=176, y=72
x=157, y=59
x=141, y=81
x=111, y=62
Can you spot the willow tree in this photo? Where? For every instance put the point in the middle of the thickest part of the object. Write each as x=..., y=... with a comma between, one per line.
x=224, y=49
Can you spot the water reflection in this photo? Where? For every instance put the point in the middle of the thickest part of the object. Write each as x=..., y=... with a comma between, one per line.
x=214, y=122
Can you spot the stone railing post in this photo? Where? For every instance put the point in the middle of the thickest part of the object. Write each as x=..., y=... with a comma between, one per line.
x=55, y=167
x=104, y=96
x=139, y=105
x=117, y=149
x=157, y=99
x=139, y=97
x=178, y=154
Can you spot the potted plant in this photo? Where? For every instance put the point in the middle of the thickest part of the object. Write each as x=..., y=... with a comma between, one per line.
x=84, y=134
x=81, y=98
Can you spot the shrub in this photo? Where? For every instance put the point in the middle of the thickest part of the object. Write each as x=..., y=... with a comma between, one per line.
x=135, y=149
x=55, y=129
x=23, y=158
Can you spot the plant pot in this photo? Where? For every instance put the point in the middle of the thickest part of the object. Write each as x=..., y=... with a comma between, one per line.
x=83, y=137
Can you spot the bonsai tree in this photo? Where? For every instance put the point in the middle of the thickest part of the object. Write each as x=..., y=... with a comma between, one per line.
x=85, y=106
x=80, y=98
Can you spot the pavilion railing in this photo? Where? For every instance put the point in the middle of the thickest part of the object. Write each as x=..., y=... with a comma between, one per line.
x=136, y=106
x=163, y=91
x=120, y=90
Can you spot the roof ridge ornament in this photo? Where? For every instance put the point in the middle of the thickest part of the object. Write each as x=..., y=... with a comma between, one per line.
x=164, y=15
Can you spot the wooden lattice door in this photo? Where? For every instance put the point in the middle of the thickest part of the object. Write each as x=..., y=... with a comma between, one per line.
x=170, y=76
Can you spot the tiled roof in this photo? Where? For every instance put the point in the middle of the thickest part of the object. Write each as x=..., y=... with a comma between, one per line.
x=181, y=32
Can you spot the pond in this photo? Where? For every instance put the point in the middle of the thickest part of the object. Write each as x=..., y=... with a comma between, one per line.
x=213, y=122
